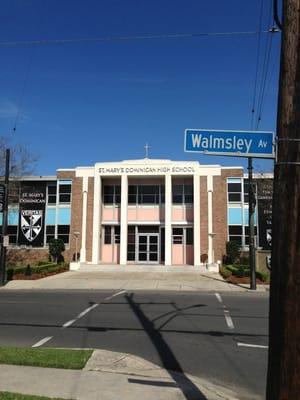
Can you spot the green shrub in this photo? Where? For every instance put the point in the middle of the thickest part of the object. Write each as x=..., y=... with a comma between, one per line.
x=39, y=269
x=56, y=247
x=232, y=251
x=263, y=276
x=225, y=272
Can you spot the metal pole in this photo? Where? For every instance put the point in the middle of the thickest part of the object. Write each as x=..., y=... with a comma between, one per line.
x=4, y=221
x=251, y=226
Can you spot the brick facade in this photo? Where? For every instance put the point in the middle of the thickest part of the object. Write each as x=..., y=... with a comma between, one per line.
x=220, y=210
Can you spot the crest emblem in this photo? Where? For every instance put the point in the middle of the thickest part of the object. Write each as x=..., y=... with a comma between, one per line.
x=31, y=223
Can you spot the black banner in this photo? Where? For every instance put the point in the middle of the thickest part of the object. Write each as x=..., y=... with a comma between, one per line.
x=264, y=205
x=32, y=214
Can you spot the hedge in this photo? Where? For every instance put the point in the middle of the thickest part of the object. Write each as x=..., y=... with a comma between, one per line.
x=242, y=271
x=38, y=269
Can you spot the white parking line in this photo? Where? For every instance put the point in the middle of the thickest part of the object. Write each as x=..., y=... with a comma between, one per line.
x=114, y=295
x=42, y=341
x=69, y=323
x=252, y=345
x=87, y=310
x=228, y=319
x=218, y=296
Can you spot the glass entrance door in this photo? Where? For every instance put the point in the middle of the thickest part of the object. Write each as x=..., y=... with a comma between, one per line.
x=148, y=247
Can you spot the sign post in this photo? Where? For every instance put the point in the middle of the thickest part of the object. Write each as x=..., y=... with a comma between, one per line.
x=4, y=206
x=251, y=144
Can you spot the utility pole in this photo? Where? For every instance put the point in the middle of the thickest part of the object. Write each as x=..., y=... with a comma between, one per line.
x=251, y=201
x=4, y=221
x=283, y=380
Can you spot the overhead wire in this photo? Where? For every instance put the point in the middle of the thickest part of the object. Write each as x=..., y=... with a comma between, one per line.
x=265, y=70
x=126, y=38
x=257, y=64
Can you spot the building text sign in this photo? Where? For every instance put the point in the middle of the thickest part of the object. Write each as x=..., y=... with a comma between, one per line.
x=230, y=143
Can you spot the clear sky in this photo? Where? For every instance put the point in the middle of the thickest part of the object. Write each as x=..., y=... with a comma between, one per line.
x=80, y=103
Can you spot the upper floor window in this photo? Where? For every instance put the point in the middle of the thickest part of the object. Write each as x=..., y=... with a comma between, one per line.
x=145, y=194
x=182, y=194
x=234, y=192
x=52, y=191
x=112, y=194
x=65, y=193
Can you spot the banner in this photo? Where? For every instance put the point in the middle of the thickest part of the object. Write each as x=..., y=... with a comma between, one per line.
x=264, y=205
x=32, y=214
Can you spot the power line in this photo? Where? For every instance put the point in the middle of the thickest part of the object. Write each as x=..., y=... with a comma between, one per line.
x=127, y=38
x=257, y=64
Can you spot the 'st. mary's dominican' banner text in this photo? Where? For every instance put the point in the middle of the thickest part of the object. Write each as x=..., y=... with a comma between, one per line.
x=32, y=214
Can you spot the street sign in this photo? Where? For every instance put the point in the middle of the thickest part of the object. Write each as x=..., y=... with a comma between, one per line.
x=230, y=143
x=2, y=197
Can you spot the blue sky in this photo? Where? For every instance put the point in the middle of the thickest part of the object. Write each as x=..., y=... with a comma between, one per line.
x=89, y=102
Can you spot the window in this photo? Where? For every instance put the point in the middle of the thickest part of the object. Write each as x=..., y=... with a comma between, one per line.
x=235, y=233
x=50, y=233
x=177, y=235
x=189, y=236
x=148, y=194
x=117, y=234
x=65, y=193
x=234, y=192
x=107, y=235
x=63, y=232
x=52, y=193
x=12, y=231
x=182, y=194
x=112, y=194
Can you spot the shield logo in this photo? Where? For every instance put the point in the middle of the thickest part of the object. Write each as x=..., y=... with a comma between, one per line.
x=31, y=223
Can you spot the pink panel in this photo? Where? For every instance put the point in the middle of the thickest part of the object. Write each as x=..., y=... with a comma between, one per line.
x=111, y=214
x=177, y=254
x=144, y=214
x=177, y=214
x=190, y=254
x=116, y=254
x=107, y=253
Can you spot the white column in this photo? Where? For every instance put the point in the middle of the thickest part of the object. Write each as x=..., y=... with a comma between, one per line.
x=210, y=219
x=96, y=218
x=168, y=220
x=123, y=229
x=197, y=250
x=85, y=183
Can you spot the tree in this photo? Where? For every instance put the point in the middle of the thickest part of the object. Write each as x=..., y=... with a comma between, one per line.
x=56, y=247
x=22, y=161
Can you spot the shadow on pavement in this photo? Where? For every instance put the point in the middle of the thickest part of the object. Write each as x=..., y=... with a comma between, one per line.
x=168, y=359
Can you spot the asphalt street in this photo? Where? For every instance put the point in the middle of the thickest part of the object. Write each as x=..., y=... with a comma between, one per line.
x=219, y=336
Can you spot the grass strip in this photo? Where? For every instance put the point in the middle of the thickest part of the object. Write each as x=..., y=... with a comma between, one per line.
x=17, y=396
x=47, y=358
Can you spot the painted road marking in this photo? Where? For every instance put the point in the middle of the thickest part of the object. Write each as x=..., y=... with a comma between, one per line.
x=116, y=294
x=86, y=311
x=252, y=345
x=42, y=341
x=227, y=316
x=218, y=296
x=228, y=319
x=69, y=323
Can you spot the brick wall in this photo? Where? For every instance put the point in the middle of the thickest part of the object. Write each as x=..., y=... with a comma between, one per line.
x=220, y=210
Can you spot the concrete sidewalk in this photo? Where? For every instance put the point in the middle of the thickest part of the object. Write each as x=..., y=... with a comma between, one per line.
x=112, y=376
x=133, y=278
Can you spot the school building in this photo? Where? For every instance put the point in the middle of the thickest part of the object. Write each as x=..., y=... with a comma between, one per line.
x=144, y=211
